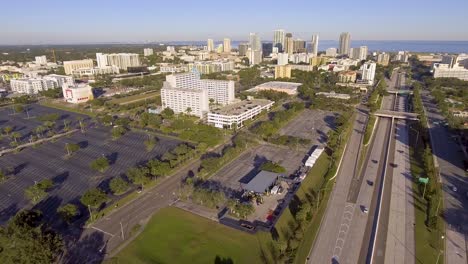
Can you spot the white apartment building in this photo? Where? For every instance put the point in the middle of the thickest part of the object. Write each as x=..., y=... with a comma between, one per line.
x=227, y=45
x=368, y=72
x=181, y=100
x=359, y=53
x=255, y=56
x=41, y=60
x=210, y=45
x=206, y=67
x=331, y=52
x=69, y=66
x=77, y=93
x=283, y=59
x=88, y=72
x=59, y=80
x=186, y=90
x=30, y=86
x=237, y=113
x=121, y=60
x=148, y=52
x=300, y=57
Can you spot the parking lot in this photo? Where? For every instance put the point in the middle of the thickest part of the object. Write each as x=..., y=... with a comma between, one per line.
x=26, y=121
x=310, y=124
x=72, y=176
x=244, y=168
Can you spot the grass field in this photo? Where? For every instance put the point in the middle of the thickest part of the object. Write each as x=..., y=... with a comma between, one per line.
x=427, y=241
x=134, y=98
x=176, y=236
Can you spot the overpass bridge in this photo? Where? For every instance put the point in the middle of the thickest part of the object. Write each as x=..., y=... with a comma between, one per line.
x=396, y=114
x=397, y=92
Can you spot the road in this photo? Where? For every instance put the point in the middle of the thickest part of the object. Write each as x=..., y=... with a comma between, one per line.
x=449, y=158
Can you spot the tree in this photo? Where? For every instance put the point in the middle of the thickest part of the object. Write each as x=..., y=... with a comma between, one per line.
x=188, y=110
x=100, y=164
x=272, y=167
x=118, y=185
x=138, y=175
x=93, y=198
x=38, y=191
x=71, y=148
x=7, y=130
x=40, y=130
x=150, y=143
x=118, y=131
x=159, y=168
x=67, y=212
x=15, y=136
x=25, y=240
x=19, y=108
x=167, y=113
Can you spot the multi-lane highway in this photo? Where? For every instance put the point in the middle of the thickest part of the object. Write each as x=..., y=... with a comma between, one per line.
x=449, y=158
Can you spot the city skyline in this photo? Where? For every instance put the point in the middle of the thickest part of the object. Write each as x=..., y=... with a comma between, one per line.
x=57, y=22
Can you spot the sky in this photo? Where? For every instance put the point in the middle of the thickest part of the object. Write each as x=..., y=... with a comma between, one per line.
x=100, y=21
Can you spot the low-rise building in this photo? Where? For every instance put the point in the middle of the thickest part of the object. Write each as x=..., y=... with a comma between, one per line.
x=88, y=72
x=236, y=114
x=30, y=85
x=262, y=182
x=287, y=87
x=77, y=93
x=347, y=76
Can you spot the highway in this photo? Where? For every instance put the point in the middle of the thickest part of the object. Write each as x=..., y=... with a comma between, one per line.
x=449, y=158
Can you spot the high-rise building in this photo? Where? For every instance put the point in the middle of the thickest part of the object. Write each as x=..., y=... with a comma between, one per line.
x=358, y=53
x=383, y=59
x=227, y=45
x=255, y=56
x=282, y=71
x=187, y=93
x=299, y=46
x=69, y=66
x=254, y=41
x=210, y=45
x=243, y=47
x=101, y=60
x=41, y=60
x=345, y=43
x=368, y=72
x=267, y=49
x=220, y=48
x=283, y=58
x=148, y=52
x=314, y=44
x=278, y=39
x=121, y=60
x=289, y=44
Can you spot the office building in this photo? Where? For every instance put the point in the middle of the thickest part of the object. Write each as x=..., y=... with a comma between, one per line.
x=41, y=60
x=255, y=56
x=278, y=39
x=234, y=116
x=299, y=46
x=331, y=52
x=368, y=72
x=148, y=52
x=383, y=59
x=283, y=59
x=458, y=69
x=210, y=45
x=90, y=72
x=30, y=85
x=282, y=71
x=77, y=93
x=267, y=49
x=358, y=53
x=243, y=47
x=69, y=66
x=314, y=45
x=289, y=44
x=227, y=45
x=345, y=43
x=183, y=91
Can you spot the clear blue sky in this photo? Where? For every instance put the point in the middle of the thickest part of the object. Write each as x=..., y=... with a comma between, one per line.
x=83, y=21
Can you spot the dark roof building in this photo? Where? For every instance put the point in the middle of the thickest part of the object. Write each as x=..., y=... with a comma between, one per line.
x=262, y=182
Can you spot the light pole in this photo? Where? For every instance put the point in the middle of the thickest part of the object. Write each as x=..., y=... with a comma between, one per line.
x=90, y=213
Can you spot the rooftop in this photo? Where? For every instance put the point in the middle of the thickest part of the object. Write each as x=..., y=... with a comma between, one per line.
x=241, y=107
x=261, y=182
x=279, y=85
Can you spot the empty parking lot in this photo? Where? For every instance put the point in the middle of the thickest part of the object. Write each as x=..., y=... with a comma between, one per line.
x=72, y=176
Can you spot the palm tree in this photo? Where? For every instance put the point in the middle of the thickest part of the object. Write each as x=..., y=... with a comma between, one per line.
x=15, y=136
x=39, y=130
x=7, y=130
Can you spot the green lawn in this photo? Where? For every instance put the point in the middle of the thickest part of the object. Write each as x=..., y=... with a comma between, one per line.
x=176, y=236
x=134, y=98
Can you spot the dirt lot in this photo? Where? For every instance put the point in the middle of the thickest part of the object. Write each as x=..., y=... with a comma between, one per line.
x=310, y=124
